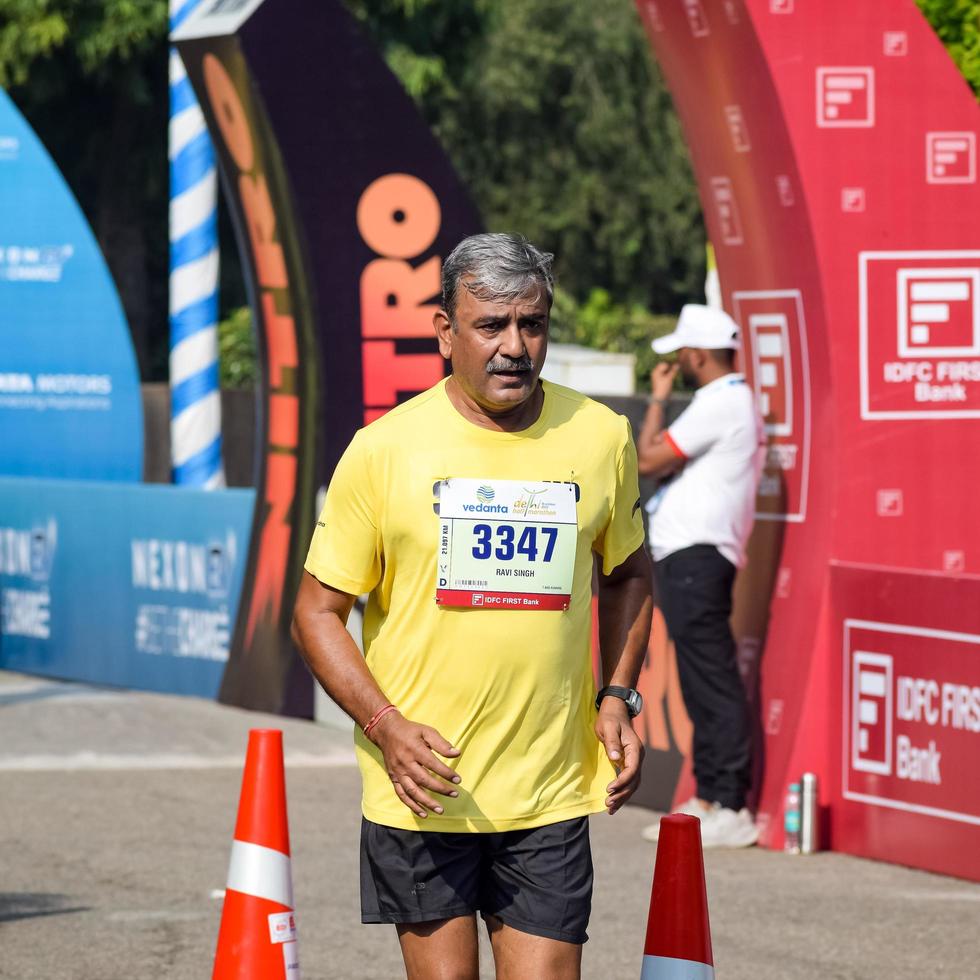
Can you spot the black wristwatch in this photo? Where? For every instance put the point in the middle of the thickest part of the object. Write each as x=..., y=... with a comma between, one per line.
x=633, y=699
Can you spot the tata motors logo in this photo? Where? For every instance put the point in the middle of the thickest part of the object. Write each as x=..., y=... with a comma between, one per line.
x=919, y=315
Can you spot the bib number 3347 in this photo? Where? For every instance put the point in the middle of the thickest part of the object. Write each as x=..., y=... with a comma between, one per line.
x=506, y=544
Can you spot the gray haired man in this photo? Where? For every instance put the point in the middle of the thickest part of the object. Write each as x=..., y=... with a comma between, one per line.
x=473, y=515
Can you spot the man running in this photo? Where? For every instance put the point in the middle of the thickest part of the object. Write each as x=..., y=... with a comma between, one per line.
x=473, y=515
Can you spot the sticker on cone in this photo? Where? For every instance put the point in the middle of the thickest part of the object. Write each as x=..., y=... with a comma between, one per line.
x=678, y=942
x=257, y=938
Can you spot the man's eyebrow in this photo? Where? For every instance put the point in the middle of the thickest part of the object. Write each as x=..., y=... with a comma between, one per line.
x=489, y=319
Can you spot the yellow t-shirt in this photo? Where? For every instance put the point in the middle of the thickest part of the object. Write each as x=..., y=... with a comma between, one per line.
x=511, y=689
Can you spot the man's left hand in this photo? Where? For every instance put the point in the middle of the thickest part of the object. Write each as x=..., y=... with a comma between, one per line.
x=614, y=728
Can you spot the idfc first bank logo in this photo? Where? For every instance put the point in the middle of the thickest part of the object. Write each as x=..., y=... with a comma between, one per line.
x=919, y=334
x=911, y=718
x=775, y=360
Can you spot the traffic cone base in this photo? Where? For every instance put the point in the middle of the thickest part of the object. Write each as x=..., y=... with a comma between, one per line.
x=257, y=938
x=667, y=968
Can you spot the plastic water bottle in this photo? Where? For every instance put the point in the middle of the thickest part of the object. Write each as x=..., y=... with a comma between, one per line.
x=791, y=819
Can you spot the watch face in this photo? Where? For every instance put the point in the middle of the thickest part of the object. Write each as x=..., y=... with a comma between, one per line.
x=635, y=702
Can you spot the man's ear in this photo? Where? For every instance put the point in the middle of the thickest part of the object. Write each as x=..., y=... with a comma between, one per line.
x=444, y=332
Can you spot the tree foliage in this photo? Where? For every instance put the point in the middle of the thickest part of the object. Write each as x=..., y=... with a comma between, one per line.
x=957, y=22
x=99, y=36
x=562, y=128
x=237, y=358
x=603, y=324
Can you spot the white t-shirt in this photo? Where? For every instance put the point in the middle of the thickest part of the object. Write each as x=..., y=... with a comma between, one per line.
x=712, y=499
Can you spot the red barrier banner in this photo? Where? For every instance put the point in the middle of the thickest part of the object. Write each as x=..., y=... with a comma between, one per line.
x=911, y=719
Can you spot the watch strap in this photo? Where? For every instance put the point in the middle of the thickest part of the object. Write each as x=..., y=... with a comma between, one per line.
x=613, y=691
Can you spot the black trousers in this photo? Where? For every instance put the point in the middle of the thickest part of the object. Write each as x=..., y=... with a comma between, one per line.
x=694, y=590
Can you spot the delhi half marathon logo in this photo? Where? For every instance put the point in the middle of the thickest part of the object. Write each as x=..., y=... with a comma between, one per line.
x=532, y=502
x=485, y=494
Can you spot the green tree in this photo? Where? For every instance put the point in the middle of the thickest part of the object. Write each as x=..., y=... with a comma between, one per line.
x=237, y=359
x=561, y=126
x=603, y=324
x=957, y=22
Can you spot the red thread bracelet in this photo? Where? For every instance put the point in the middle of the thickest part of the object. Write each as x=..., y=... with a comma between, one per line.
x=377, y=716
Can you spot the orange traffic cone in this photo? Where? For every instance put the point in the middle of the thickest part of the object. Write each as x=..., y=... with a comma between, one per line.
x=678, y=945
x=257, y=939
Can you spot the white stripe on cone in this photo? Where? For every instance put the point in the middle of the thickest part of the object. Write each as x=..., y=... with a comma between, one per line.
x=667, y=968
x=260, y=872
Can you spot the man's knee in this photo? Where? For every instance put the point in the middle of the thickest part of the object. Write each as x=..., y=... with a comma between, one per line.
x=445, y=949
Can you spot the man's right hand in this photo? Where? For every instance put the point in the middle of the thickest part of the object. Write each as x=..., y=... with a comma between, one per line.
x=409, y=751
x=662, y=380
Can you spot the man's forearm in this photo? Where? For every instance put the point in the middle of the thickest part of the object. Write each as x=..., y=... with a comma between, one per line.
x=337, y=664
x=653, y=425
x=625, y=610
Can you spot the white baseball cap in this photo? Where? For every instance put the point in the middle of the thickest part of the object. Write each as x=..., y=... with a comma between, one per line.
x=700, y=326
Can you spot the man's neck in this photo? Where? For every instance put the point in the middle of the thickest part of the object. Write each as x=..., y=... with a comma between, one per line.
x=713, y=374
x=512, y=419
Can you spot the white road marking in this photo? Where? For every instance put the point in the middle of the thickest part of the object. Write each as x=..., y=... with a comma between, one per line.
x=104, y=761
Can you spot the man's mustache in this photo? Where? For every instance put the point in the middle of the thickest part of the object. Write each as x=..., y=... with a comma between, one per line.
x=500, y=364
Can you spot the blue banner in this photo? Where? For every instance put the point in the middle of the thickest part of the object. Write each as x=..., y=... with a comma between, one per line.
x=70, y=402
x=136, y=586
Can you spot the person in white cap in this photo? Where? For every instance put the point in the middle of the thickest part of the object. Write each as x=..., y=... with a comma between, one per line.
x=711, y=459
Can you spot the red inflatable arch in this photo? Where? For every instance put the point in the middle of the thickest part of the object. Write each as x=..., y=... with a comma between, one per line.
x=835, y=148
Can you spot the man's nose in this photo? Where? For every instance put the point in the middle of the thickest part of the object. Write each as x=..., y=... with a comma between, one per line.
x=511, y=342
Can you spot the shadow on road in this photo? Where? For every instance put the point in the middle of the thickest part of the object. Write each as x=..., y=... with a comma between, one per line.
x=33, y=905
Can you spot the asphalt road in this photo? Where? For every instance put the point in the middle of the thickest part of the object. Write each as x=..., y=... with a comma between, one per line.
x=116, y=817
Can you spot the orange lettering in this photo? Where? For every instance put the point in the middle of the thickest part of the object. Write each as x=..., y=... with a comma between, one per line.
x=386, y=372
x=283, y=421
x=393, y=295
x=273, y=553
x=229, y=112
x=270, y=266
x=280, y=339
x=399, y=216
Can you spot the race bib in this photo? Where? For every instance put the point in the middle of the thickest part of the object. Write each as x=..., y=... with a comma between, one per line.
x=506, y=544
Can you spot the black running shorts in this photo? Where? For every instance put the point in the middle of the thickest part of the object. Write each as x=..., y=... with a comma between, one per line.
x=537, y=881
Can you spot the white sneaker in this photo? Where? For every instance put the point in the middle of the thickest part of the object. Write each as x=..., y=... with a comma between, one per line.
x=690, y=808
x=720, y=826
